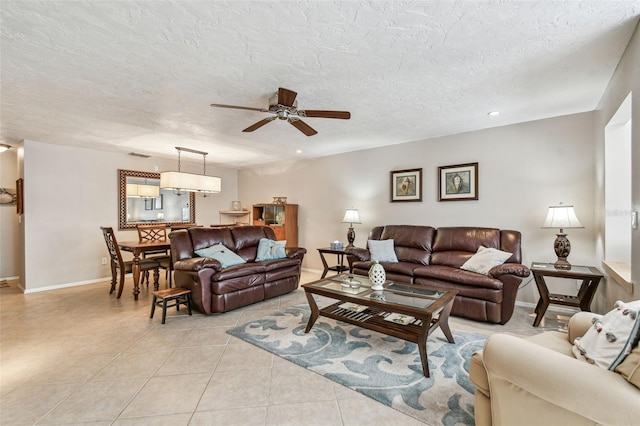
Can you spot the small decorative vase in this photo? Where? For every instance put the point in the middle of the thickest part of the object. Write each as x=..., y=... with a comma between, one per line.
x=377, y=276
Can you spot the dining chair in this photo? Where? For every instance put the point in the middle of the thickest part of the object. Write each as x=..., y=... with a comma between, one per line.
x=124, y=267
x=156, y=232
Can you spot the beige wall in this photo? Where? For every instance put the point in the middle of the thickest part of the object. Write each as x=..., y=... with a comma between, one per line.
x=70, y=192
x=626, y=79
x=523, y=169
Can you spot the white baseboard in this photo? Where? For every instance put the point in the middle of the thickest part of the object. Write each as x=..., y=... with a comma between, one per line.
x=66, y=285
x=9, y=278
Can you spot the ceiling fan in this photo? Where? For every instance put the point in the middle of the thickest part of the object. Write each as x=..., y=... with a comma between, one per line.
x=285, y=107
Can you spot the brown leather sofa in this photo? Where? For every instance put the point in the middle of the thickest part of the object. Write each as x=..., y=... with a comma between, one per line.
x=214, y=289
x=433, y=257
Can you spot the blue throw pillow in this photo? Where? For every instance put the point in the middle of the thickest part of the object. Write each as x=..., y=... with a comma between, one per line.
x=270, y=250
x=222, y=254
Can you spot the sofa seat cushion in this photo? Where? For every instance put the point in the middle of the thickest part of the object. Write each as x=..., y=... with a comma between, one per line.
x=272, y=265
x=232, y=285
x=239, y=271
x=402, y=268
x=282, y=273
x=467, y=292
x=447, y=273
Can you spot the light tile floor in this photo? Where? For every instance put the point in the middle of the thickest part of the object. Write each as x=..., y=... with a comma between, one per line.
x=80, y=356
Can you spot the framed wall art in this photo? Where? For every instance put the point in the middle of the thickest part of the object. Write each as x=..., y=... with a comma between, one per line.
x=148, y=203
x=8, y=197
x=458, y=182
x=406, y=185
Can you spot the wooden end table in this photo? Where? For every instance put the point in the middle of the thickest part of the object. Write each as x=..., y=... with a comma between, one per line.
x=430, y=309
x=338, y=268
x=589, y=275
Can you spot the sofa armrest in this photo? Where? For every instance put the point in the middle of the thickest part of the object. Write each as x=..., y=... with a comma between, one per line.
x=295, y=252
x=528, y=381
x=196, y=264
x=579, y=323
x=509, y=269
x=359, y=253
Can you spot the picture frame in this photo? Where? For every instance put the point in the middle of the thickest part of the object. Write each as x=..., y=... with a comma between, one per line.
x=157, y=203
x=148, y=203
x=458, y=182
x=406, y=185
x=20, y=196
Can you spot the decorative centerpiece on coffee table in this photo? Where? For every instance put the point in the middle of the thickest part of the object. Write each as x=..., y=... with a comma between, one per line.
x=377, y=276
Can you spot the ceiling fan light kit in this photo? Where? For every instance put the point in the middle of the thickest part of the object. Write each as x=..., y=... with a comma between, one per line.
x=181, y=182
x=285, y=107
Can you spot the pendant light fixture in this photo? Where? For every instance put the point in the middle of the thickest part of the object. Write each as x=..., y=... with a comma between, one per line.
x=143, y=190
x=181, y=182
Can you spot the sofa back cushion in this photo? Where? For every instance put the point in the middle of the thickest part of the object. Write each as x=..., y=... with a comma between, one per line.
x=247, y=238
x=202, y=238
x=411, y=243
x=510, y=241
x=455, y=245
x=181, y=247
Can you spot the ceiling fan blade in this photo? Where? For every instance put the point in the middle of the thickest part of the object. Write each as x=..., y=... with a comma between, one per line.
x=259, y=124
x=239, y=107
x=302, y=126
x=286, y=97
x=344, y=115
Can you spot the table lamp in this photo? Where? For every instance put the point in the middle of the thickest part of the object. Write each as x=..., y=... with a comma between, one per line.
x=561, y=217
x=351, y=216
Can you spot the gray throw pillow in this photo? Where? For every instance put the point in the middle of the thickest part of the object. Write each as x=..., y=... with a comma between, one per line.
x=222, y=254
x=271, y=250
x=382, y=250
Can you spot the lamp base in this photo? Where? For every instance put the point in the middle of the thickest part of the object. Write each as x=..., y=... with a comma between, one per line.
x=562, y=264
x=351, y=237
x=562, y=247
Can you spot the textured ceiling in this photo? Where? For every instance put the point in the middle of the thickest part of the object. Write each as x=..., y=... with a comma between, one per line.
x=140, y=75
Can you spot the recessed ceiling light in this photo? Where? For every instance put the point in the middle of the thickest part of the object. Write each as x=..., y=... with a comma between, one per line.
x=298, y=151
x=493, y=113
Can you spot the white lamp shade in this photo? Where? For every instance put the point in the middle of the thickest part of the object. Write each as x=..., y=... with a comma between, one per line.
x=561, y=217
x=351, y=216
x=140, y=190
x=190, y=182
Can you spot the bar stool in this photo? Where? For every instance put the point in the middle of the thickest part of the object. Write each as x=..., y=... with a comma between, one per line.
x=180, y=296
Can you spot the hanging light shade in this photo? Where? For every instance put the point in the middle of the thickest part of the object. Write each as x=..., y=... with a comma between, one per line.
x=142, y=190
x=190, y=182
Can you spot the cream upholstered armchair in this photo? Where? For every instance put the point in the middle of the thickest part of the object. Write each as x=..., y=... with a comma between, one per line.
x=538, y=381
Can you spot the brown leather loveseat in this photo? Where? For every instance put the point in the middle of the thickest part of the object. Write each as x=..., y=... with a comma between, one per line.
x=215, y=289
x=433, y=257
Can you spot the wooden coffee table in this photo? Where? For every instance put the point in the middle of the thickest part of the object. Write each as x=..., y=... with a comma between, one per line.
x=429, y=308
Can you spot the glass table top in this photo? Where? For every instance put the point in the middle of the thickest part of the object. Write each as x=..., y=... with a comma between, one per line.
x=575, y=269
x=397, y=293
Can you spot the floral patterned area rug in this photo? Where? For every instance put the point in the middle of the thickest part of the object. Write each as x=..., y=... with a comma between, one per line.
x=384, y=368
